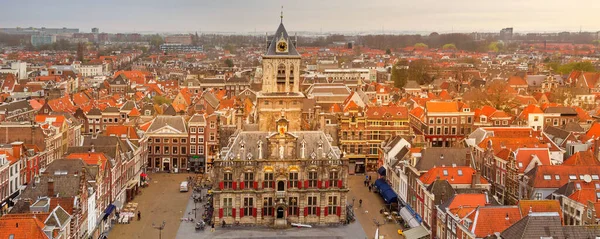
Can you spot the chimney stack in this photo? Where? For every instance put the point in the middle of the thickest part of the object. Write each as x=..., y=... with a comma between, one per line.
x=50, y=187
x=468, y=158
x=16, y=147
x=475, y=179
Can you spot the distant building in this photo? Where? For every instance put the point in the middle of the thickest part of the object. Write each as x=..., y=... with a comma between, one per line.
x=506, y=33
x=43, y=30
x=40, y=40
x=19, y=69
x=180, y=47
x=95, y=30
x=179, y=39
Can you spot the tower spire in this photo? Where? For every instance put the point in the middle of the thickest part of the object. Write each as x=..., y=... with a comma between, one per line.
x=281, y=14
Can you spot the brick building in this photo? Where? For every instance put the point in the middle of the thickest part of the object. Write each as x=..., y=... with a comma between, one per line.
x=442, y=123
x=361, y=132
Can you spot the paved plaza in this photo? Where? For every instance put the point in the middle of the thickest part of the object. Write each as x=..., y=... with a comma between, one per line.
x=372, y=204
x=163, y=201
x=159, y=202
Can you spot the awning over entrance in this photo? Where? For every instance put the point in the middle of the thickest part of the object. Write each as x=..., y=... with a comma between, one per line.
x=108, y=211
x=408, y=216
x=381, y=171
x=389, y=196
x=416, y=233
x=386, y=191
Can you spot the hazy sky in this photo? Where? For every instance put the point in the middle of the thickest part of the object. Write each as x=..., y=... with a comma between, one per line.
x=304, y=15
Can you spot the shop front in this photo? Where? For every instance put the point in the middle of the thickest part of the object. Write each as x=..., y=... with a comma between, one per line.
x=197, y=164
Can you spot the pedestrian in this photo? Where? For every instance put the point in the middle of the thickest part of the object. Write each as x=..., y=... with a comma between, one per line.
x=360, y=203
x=212, y=227
x=139, y=215
x=223, y=224
x=369, y=178
x=369, y=188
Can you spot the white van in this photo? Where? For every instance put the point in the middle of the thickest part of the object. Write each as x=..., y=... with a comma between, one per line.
x=183, y=187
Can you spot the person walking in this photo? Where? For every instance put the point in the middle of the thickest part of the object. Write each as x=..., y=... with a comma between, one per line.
x=369, y=188
x=139, y=215
x=212, y=227
x=360, y=203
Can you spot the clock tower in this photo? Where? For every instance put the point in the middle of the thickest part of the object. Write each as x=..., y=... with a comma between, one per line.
x=280, y=93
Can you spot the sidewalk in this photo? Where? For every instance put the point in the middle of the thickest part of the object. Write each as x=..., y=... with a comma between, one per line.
x=369, y=212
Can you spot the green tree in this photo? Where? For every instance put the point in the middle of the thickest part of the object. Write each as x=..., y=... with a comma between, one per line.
x=159, y=100
x=229, y=62
x=576, y=66
x=388, y=51
x=449, y=46
x=156, y=40
x=421, y=45
x=400, y=74
x=80, y=51
x=495, y=46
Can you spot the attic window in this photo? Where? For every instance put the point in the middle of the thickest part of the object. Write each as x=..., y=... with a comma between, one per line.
x=578, y=186
x=580, y=176
x=520, y=164
x=547, y=177
x=572, y=177
x=595, y=177
x=445, y=172
x=597, y=185
x=460, y=173
x=597, y=195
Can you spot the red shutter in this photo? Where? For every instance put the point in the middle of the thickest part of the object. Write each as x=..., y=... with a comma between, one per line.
x=305, y=211
x=318, y=183
x=255, y=185
x=326, y=211
x=233, y=212
x=288, y=184
x=220, y=212
x=306, y=183
x=221, y=185
x=272, y=184
x=241, y=185
x=297, y=211
x=234, y=185
x=339, y=211
x=299, y=184
x=254, y=212
x=264, y=185
x=318, y=211
x=273, y=212
x=242, y=212
x=340, y=184
x=327, y=184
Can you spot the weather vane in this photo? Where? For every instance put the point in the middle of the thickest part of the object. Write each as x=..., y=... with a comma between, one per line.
x=281, y=14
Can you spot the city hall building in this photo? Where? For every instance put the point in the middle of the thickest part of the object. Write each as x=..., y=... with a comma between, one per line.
x=277, y=174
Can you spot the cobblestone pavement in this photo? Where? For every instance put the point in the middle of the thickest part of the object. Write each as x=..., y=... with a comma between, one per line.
x=159, y=202
x=187, y=230
x=369, y=211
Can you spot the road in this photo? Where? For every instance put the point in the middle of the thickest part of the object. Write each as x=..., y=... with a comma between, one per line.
x=159, y=202
x=372, y=203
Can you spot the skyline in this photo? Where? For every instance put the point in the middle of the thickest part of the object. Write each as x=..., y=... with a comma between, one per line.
x=250, y=16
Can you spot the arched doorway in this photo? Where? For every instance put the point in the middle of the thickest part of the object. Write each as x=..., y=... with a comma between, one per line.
x=280, y=186
x=280, y=212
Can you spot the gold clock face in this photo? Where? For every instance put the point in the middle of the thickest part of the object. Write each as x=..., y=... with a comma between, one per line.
x=282, y=46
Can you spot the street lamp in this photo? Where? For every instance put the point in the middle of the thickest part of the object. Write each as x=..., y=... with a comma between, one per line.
x=159, y=228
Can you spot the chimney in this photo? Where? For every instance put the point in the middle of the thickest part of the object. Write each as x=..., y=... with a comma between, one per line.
x=50, y=187
x=238, y=118
x=16, y=147
x=468, y=158
x=475, y=179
